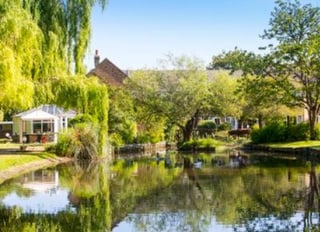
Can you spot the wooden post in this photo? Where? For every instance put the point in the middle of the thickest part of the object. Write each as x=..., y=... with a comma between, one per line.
x=20, y=131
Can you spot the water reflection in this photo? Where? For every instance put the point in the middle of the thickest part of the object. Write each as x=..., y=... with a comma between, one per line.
x=171, y=192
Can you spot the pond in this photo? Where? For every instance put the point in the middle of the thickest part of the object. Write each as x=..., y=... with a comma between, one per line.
x=218, y=192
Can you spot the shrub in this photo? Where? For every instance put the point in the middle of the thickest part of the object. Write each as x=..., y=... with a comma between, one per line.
x=224, y=126
x=188, y=146
x=80, y=142
x=297, y=132
x=81, y=118
x=191, y=145
x=272, y=132
x=206, y=128
x=207, y=124
x=115, y=140
x=142, y=138
x=277, y=131
x=317, y=131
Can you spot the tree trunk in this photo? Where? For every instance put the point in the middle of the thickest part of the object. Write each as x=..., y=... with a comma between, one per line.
x=190, y=126
x=260, y=121
x=312, y=122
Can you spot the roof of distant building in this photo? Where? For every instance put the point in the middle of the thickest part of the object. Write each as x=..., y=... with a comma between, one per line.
x=108, y=72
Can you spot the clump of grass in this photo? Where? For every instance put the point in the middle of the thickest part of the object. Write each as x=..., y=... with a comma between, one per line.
x=199, y=144
x=80, y=142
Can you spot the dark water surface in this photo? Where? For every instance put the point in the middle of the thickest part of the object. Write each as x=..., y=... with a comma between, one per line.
x=204, y=192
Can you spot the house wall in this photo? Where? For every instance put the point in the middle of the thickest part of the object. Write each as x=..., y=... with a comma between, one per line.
x=5, y=128
x=219, y=120
x=26, y=126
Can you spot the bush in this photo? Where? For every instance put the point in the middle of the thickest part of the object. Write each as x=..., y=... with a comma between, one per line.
x=142, y=138
x=277, y=131
x=79, y=119
x=116, y=140
x=224, y=126
x=191, y=145
x=188, y=146
x=207, y=124
x=273, y=132
x=206, y=128
x=298, y=132
x=80, y=142
x=317, y=131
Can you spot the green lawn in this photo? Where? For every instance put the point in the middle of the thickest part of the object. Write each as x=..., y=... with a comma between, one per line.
x=11, y=160
x=314, y=144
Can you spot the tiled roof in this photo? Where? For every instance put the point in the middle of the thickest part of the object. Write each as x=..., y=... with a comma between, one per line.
x=108, y=73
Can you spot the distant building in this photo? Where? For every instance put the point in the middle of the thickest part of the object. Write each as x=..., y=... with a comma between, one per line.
x=43, y=120
x=107, y=72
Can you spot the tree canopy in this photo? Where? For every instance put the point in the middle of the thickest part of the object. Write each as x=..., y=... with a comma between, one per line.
x=40, y=40
x=292, y=58
x=175, y=92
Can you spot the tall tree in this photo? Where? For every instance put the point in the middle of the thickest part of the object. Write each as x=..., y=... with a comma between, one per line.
x=66, y=28
x=223, y=99
x=293, y=62
x=20, y=52
x=176, y=92
x=89, y=97
x=40, y=40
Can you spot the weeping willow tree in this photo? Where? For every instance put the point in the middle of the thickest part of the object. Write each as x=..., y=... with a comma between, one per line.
x=20, y=41
x=89, y=97
x=41, y=40
x=66, y=27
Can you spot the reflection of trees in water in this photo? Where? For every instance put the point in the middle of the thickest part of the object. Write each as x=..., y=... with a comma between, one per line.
x=255, y=198
x=312, y=202
x=181, y=206
x=92, y=209
x=157, y=198
x=133, y=182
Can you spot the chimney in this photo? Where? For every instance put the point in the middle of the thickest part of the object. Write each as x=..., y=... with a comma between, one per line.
x=96, y=58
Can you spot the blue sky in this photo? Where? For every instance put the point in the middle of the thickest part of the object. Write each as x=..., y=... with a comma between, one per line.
x=135, y=34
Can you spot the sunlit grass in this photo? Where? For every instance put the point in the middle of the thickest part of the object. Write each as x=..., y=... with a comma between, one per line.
x=9, y=145
x=11, y=160
x=315, y=144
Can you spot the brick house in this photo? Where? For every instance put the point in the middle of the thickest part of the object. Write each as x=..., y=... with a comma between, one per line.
x=107, y=72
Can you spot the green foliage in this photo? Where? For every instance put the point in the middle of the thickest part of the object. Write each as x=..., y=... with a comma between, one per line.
x=121, y=116
x=292, y=62
x=127, y=130
x=223, y=100
x=80, y=142
x=66, y=28
x=224, y=126
x=206, y=144
x=116, y=140
x=89, y=97
x=19, y=56
x=317, y=131
x=277, y=131
x=207, y=124
x=298, y=132
x=150, y=127
x=273, y=132
x=80, y=118
x=40, y=40
x=174, y=94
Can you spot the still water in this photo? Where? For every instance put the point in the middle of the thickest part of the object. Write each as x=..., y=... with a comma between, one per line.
x=203, y=192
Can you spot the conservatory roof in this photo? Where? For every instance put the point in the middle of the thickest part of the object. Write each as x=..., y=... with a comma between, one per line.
x=36, y=114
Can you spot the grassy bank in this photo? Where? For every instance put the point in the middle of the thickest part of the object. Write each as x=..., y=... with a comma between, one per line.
x=8, y=161
x=298, y=144
x=13, y=165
